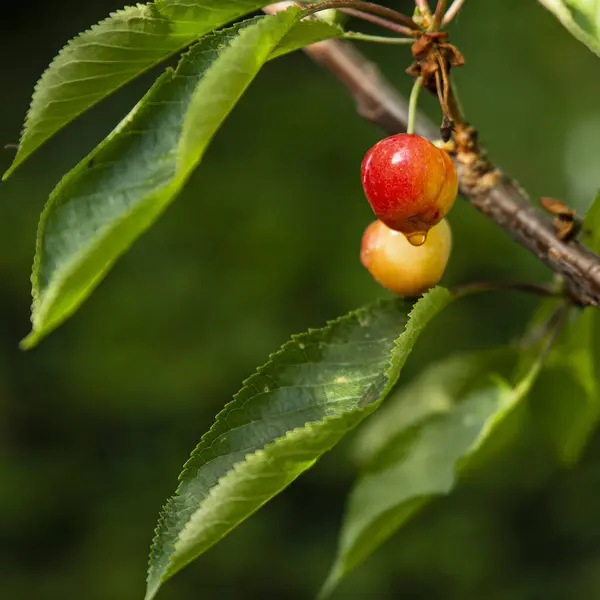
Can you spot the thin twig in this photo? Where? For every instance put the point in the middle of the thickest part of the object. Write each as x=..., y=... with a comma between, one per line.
x=539, y=289
x=536, y=334
x=359, y=14
x=370, y=7
x=452, y=11
x=489, y=189
x=554, y=326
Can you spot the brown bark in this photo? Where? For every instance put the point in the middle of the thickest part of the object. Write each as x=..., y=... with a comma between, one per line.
x=485, y=186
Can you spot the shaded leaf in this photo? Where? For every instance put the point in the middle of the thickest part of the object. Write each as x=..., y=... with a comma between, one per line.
x=568, y=392
x=580, y=17
x=300, y=404
x=109, y=199
x=581, y=400
x=100, y=60
x=414, y=450
x=434, y=392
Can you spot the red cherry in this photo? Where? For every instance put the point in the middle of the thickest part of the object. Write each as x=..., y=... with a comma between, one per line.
x=410, y=183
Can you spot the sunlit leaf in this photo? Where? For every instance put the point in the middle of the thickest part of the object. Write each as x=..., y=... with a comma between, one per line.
x=580, y=17
x=100, y=60
x=107, y=201
x=300, y=404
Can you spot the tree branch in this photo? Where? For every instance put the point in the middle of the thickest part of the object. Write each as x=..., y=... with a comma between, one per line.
x=489, y=189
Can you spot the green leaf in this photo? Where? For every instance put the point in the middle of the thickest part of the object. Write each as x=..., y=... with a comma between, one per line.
x=565, y=399
x=110, y=198
x=317, y=388
x=305, y=33
x=434, y=392
x=580, y=17
x=102, y=59
x=568, y=391
x=591, y=225
x=414, y=449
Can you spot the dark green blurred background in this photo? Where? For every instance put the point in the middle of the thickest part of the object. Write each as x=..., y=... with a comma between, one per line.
x=96, y=423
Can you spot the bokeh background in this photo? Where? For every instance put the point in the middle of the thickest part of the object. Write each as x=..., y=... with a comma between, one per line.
x=96, y=423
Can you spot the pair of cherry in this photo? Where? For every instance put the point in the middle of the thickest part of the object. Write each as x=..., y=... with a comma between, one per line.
x=411, y=185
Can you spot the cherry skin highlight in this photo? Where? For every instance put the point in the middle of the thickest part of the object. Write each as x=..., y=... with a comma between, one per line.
x=401, y=267
x=410, y=183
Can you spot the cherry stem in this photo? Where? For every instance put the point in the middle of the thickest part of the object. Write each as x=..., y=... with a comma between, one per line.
x=412, y=105
x=359, y=14
x=452, y=11
x=369, y=7
x=380, y=39
x=438, y=15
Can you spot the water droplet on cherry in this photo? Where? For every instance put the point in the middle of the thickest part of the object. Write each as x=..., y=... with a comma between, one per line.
x=418, y=238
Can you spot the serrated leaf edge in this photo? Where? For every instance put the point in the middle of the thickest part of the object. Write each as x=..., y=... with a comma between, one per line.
x=509, y=397
x=430, y=305
x=157, y=5
x=178, y=181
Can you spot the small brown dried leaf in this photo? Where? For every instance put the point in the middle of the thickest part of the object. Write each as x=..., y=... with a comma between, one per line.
x=421, y=47
x=557, y=207
x=414, y=69
x=454, y=56
x=565, y=230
